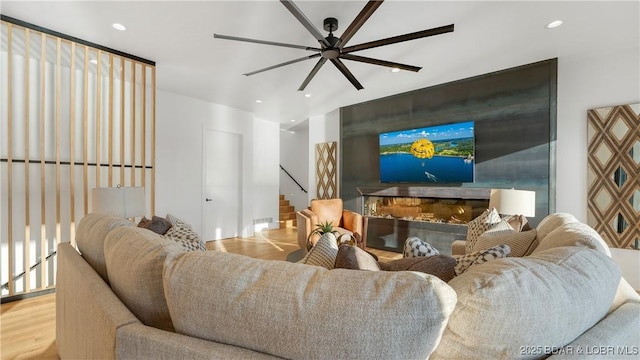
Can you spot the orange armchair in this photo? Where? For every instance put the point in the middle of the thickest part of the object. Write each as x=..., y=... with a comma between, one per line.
x=331, y=210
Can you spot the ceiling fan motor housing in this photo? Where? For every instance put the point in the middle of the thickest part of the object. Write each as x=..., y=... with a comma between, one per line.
x=330, y=24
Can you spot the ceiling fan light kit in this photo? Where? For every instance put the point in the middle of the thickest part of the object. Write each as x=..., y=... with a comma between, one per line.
x=333, y=48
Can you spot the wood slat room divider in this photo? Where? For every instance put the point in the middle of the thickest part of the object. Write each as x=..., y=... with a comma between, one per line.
x=69, y=109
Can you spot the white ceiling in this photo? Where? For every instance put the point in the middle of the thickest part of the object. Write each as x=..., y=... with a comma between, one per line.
x=178, y=36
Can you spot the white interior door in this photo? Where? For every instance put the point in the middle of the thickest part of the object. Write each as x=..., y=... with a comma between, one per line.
x=222, y=209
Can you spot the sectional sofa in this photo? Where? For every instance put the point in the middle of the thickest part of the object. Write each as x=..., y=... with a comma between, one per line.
x=128, y=293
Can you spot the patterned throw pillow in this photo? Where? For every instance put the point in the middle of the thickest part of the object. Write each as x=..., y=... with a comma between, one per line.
x=521, y=243
x=323, y=253
x=183, y=234
x=488, y=219
x=414, y=247
x=464, y=262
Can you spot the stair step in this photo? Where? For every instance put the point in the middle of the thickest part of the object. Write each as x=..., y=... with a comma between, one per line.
x=287, y=215
x=288, y=223
x=286, y=209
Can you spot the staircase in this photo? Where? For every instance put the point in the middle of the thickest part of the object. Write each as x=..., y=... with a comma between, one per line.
x=287, y=214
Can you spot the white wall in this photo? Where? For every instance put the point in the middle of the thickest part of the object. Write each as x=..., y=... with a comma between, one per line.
x=180, y=122
x=586, y=83
x=294, y=156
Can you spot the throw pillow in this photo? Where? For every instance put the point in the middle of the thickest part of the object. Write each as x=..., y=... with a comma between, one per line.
x=157, y=224
x=464, y=262
x=485, y=221
x=521, y=243
x=323, y=253
x=519, y=223
x=183, y=234
x=352, y=257
x=414, y=247
x=442, y=266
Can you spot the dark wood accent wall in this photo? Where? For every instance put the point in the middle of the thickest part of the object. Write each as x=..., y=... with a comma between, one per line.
x=515, y=127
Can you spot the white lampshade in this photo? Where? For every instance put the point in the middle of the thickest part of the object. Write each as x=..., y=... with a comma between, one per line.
x=513, y=202
x=126, y=202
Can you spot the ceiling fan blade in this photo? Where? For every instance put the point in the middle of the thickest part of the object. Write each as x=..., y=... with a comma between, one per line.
x=283, y=64
x=312, y=74
x=226, y=37
x=305, y=21
x=343, y=69
x=399, y=38
x=380, y=62
x=355, y=25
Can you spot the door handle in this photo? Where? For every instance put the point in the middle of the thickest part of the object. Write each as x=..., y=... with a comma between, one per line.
x=207, y=199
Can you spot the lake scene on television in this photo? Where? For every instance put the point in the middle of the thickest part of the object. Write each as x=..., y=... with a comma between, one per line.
x=435, y=154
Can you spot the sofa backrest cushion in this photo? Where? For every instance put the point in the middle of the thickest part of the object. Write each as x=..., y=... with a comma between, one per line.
x=547, y=299
x=90, y=235
x=298, y=311
x=135, y=259
x=553, y=221
x=574, y=234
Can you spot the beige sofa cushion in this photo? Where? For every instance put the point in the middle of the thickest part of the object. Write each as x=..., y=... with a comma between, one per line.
x=298, y=311
x=135, y=258
x=90, y=235
x=552, y=222
x=547, y=299
x=573, y=234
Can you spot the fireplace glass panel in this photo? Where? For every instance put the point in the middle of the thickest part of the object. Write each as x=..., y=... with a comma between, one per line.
x=426, y=209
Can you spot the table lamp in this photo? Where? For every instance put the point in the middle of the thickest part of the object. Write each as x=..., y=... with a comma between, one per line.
x=126, y=202
x=513, y=202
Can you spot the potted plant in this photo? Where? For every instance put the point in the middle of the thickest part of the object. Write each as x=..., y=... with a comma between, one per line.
x=325, y=228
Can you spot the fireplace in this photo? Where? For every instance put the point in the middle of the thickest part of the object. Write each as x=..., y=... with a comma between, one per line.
x=437, y=215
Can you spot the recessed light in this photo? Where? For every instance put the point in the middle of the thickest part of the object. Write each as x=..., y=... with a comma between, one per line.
x=118, y=26
x=293, y=120
x=259, y=101
x=307, y=95
x=554, y=24
x=395, y=70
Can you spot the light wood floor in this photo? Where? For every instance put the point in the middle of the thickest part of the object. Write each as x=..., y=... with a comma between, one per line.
x=27, y=327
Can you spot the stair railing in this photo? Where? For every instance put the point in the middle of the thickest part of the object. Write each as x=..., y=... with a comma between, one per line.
x=294, y=180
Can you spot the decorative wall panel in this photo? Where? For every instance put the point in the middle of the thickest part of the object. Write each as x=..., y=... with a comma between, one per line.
x=326, y=170
x=613, y=174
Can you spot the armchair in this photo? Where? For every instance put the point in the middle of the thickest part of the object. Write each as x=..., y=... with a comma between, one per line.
x=331, y=210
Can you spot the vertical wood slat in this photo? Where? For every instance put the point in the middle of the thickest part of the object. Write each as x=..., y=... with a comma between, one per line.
x=110, y=123
x=43, y=199
x=58, y=108
x=143, y=145
x=133, y=124
x=10, y=245
x=98, y=122
x=153, y=141
x=85, y=132
x=122, y=122
x=27, y=120
x=72, y=142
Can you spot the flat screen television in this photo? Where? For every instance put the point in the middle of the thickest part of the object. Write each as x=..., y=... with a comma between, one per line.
x=434, y=154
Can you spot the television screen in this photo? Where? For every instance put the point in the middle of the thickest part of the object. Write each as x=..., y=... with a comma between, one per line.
x=434, y=154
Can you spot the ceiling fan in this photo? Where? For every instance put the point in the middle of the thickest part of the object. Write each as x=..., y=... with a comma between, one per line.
x=334, y=49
